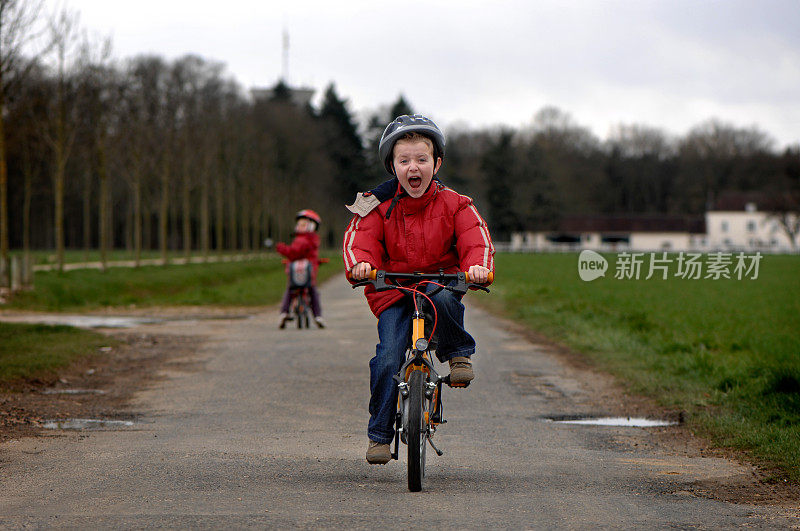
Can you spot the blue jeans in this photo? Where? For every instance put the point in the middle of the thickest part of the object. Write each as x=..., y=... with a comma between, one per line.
x=394, y=336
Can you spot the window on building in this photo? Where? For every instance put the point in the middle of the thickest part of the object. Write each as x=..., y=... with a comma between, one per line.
x=751, y=226
x=564, y=238
x=724, y=226
x=615, y=238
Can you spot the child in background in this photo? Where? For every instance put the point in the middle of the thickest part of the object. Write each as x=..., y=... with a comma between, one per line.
x=305, y=245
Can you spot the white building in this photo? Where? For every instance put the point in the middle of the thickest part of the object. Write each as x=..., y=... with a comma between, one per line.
x=729, y=229
x=746, y=230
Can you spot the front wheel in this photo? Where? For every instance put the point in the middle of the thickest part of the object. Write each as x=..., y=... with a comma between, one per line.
x=417, y=433
x=298, y=312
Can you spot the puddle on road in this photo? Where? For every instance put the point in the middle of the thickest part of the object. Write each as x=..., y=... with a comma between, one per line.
x=86, y=424
x=628, y=422
x=106, y=321
x=98, y=321
x=73, y=392
x=84, y=321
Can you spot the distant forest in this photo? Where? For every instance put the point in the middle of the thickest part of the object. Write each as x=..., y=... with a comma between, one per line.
x=149, y=153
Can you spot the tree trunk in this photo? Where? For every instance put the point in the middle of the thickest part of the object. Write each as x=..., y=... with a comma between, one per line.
x=205, y=215
x=58, y=186
x=245, y=220
x=87, y=213
x=128, y=229
x=105, y=203
x=137, y=217
x=4, y=238
x=26, y=210
x=186, y=212
x=163, y=213
x=219, y=217
x=255, y=225
x=232, y=226
x=147, y=226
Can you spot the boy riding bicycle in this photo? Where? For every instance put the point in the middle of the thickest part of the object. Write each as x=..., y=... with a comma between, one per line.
x=413, y=223
x=304, y=246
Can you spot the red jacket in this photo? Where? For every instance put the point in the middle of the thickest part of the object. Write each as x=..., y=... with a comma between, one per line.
x=304, y=245
x=440, y=230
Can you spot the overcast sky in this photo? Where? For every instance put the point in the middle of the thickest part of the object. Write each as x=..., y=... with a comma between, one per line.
x=670, y=64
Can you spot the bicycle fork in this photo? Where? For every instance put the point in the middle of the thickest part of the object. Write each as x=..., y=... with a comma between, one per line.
x=433, y=413
x=430, y=387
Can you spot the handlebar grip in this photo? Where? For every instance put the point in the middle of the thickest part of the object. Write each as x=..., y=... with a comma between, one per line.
x=372, y=275
x=489, y=281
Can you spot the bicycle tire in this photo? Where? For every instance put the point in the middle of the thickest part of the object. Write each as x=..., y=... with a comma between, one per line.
x=416, y=431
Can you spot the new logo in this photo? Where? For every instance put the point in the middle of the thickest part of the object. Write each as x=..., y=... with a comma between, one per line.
x=591, y=265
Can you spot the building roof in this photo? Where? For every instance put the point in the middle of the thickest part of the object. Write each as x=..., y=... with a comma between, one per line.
x=632, y=223
x=736, y=201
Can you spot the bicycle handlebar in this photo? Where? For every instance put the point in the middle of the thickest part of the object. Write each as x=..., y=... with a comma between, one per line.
x=378, y=279
x=426, y=276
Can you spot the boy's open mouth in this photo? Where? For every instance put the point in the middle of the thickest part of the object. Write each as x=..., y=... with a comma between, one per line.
x=414, y=182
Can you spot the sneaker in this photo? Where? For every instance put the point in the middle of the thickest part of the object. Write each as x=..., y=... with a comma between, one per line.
x=285, y=317
x=320, y=322
x=461, y=370
x=378, y=453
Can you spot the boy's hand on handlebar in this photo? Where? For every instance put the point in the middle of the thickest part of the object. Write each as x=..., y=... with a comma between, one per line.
x=478, y=274
x=360, y=271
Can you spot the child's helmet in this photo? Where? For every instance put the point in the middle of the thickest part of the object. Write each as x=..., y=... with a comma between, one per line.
x=309, y=214
x=404, y=124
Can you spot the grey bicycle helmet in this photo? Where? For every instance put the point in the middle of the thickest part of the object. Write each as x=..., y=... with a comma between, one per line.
x=403, y=125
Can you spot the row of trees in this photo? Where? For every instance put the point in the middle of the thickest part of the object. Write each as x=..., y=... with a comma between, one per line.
x=530, y=178
x=173, y=155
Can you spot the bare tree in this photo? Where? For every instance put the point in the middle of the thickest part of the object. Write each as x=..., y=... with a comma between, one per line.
x=785, y=196
x=63, y=29
x=143, y=130
x=96, y=90
x=711, y=156
x=17, y=19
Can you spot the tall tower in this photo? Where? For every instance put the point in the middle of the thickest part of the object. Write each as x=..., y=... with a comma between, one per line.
x=285, y=56
x=300, y=96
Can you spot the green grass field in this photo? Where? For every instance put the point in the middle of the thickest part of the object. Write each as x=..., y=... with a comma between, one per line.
x=251, y=283
x=727, y=352
x=71, y=256
x=36, y=351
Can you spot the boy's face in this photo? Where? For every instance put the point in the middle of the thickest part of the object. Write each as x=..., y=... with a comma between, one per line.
x=414, y=166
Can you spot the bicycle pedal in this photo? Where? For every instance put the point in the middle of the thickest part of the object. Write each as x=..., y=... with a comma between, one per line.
x=446, y=380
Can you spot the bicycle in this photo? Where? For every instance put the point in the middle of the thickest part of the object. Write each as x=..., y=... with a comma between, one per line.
x=300, y=275
x=301, y=306
x=419, y=403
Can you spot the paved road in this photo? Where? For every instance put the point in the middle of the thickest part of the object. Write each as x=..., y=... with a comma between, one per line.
x=270, y=432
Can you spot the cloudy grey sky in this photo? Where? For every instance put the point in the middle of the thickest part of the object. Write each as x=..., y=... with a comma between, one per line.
x=671, y=64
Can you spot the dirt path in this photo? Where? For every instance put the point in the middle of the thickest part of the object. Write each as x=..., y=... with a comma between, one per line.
x=261, y=427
